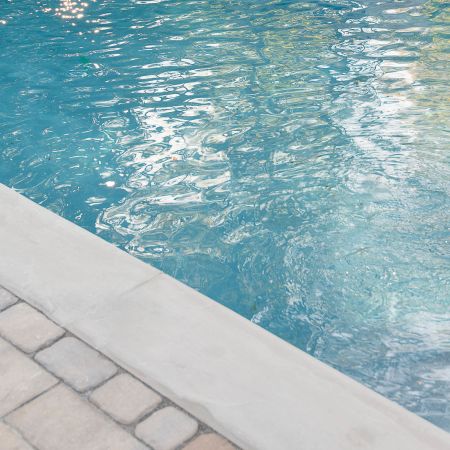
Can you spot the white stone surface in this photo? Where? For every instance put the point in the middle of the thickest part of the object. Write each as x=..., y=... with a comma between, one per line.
x=21, y=379
x=77, y=364
x=125, y=399
x=166, y=429
x=6, y=298
x=27, y=328
x=61, y=420
x=11, y=440
x=255, y=389
x=43, y=252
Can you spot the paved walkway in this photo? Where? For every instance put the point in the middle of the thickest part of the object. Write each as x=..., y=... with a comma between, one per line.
x=57, y=393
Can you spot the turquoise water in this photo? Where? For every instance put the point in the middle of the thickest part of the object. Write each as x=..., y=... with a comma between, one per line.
x=289, y=159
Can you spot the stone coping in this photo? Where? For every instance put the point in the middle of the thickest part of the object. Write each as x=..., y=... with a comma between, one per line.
x=257, y=390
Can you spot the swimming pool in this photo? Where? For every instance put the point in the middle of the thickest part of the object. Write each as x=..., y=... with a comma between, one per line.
x=289, y=159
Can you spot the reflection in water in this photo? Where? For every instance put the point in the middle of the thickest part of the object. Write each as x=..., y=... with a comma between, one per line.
x=289, y=159
x=68, y=9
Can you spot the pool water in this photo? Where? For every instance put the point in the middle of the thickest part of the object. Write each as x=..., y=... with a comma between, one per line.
x=290, y=159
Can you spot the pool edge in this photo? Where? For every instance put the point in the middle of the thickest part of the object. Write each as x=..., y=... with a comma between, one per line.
x=256, y=389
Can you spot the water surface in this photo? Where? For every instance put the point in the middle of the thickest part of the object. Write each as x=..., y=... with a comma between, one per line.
x=290, y=159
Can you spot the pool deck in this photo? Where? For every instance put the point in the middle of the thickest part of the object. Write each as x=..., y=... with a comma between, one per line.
x=209, y=364
x=57, y=392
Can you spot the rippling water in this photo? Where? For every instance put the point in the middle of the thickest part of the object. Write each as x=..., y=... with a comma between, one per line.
x=289, y=159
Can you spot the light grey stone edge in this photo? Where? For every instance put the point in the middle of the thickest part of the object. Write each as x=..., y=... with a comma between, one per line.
x=257, y=390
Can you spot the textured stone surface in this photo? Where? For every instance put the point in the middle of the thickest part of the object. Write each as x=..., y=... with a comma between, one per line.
x=125, y=398
x=77, y=364
x=6, y=299
x=69, y=423
x=27, y=328
x=210, y=441
x=11, y=440
x=21, y=379
x=166, y=429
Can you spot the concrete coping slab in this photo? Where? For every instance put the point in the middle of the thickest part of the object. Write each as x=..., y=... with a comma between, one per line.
x=6, y=299
x=257, y=390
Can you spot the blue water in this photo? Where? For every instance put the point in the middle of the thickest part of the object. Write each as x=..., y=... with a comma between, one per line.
x=290, y=159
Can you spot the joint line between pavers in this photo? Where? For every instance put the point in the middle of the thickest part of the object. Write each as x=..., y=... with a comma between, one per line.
x=5, y=417
x=33, y=447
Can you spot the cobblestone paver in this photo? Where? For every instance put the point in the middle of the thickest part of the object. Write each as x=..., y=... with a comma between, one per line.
x=210, y=441
x=125, y=398
x=166, y=429
x=69, y=396
x=27, y=328
x=69, y=423
x=11, y=440
x=21, y=379
x=77, y=364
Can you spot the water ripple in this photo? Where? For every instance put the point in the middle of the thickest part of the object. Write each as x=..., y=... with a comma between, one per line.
x=289, y=159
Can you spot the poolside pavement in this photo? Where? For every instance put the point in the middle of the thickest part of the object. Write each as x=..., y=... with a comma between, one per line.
x=57, y=392
x=214, y=365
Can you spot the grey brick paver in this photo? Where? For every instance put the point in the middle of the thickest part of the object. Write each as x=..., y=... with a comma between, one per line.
x=6, y=299
x=125, y=398
x=27, y=328
x=166, y=429
x=209, y=441
x=77, y=364
x=39, y=413
x=61, y=420
x=11, y=440
x=21, y=379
